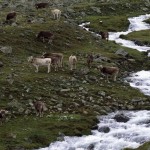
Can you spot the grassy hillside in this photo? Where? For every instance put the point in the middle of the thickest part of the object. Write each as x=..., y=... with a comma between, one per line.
x=72, y=112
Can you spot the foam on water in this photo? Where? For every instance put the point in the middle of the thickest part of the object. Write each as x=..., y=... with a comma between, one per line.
x=140, y=80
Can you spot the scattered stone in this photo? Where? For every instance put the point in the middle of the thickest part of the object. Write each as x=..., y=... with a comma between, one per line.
x=102, y=93
x=90, y=147
x=65, y=90
x=122, y=53
x=96, y=9
x=95, y=127
x=104, y=129
x=1, y=64
x=61, y=136
x=6, y=49
x=121, y=118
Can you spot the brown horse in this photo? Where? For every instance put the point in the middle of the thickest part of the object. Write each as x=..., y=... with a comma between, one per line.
x=90, y=59
x=104, y=35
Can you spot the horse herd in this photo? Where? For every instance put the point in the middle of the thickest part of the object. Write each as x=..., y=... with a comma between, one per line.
x=52, y=59
x=55, y=60
x=56, y=13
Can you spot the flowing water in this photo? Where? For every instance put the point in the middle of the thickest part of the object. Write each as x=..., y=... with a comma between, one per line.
x=120, y=135
x=136, y=24
x=140, y=80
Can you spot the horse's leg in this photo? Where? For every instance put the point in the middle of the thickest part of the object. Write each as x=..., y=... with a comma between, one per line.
x=37, y=68
x=49, y=68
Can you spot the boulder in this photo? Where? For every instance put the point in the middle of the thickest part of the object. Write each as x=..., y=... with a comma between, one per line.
x=121, y=118
x=6, y=49
x=122, y=53
x=104, y=129
x=90, y=147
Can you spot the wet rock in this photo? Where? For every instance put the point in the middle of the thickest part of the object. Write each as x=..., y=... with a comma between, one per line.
x=94, y=127
x=90, y=147
x=61, y=136
x=121, y=118
x=138, y=42
x=104, y=129
x=78, y=133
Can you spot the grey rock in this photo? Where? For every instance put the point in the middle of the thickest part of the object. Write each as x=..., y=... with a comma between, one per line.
x=122, y=52
x=1, y=64
x=84, y=71
x=61, y=136
x=90, y=147
x=102, y=93
x=104, y=129
x=65, y=90
x=96, y=9
x=121, y=118
x=6, y=49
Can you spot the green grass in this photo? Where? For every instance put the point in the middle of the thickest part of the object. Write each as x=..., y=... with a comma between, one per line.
x=107, y=23
x=32, y=132
x=142, y=36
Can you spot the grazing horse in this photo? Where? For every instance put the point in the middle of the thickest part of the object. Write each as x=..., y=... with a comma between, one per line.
x=45, y=35
x=57, y=59
x=72, y=62
x=3, y=114
x=104, y=35
x=40, y=107
x=10, y=16
x=56, y=14
x=112, y=71
x=90, y=59
x=41, y=5
x=40, y=62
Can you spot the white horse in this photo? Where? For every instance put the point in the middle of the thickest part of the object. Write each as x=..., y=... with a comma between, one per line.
x=56, y=14
x=40, y=62
x=72, y=62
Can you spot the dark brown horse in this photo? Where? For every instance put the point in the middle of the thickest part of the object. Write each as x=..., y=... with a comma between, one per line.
x=90, y=60
x=10, y=16
x=45, y=35
x=104, y=35
x=41, y=5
